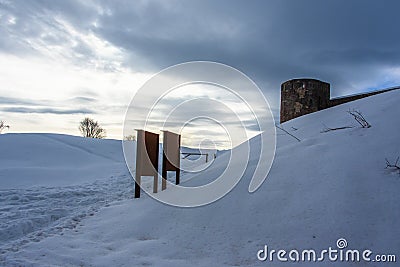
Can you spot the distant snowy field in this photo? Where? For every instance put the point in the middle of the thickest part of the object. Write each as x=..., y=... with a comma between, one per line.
x=56, y=160
x=67, y=201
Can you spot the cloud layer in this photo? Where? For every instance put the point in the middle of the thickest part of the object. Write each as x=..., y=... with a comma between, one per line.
x=351, y=44
x=339, y=41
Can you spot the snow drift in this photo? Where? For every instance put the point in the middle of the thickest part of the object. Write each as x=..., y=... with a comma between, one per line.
x=56, y=160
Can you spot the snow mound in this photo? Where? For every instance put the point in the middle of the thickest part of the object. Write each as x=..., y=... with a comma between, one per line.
x=56, y=160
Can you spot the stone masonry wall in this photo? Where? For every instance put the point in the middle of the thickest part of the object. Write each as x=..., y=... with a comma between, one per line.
x=344, y=99
x=304, y=96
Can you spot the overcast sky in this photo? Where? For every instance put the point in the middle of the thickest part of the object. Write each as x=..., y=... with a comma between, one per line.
x=64, y=60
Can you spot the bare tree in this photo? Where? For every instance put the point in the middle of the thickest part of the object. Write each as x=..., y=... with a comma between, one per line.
x=91, y=128
x=359, y=118
x=3, y=126
x=130, y=137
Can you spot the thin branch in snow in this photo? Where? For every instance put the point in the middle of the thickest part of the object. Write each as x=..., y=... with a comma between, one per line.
x=288, y=133
x=328, y=129
x=395, y=165
x=359, y=118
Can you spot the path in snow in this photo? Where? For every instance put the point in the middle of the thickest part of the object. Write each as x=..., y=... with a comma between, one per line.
x=29, y=215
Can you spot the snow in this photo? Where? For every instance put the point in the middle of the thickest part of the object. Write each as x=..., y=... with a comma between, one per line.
x=68, y=200
x=50, y=182
x=56, y=160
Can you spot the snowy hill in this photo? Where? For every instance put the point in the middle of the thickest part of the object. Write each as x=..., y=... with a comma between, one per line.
x=56, y=160
x=328, y=186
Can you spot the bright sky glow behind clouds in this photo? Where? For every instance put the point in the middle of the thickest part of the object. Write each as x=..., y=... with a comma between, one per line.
x=219, y=101
x=47, y=96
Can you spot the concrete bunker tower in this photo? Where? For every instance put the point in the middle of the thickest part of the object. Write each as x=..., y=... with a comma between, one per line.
x=303, y=96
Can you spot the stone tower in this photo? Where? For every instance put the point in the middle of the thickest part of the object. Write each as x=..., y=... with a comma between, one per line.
x=303, y=96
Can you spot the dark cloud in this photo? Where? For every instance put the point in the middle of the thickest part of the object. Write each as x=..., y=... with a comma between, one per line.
x=271, y=40
x=46, y=110
x=31, y=102
x=18, y=101
x=83, y=100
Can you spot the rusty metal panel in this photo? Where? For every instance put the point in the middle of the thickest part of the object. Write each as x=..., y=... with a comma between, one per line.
x=147, y=151
x=171, y=157
x=171, y=147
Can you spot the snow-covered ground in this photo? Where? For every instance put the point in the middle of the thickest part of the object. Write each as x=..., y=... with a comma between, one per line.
x=67, y=201
x=56, y=160
x=50, y=182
